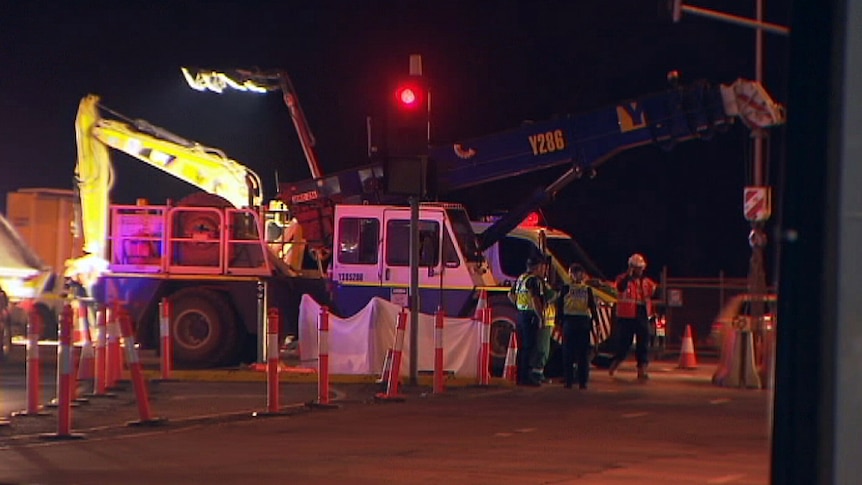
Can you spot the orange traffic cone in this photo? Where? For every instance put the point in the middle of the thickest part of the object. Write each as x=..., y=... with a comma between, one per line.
x=510, y=368
x=687, y=358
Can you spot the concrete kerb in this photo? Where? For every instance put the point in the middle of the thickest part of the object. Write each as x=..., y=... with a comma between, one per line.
x=246, y=375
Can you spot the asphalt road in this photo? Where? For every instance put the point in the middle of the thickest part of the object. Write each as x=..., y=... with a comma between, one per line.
x=676, y=429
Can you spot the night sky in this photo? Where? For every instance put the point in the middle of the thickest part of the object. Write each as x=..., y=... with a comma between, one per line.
x=491, y=65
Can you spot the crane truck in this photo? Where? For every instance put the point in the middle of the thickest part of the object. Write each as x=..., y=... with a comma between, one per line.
x=216, y=257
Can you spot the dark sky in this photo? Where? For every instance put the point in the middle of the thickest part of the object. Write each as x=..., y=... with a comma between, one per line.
x=491, y=65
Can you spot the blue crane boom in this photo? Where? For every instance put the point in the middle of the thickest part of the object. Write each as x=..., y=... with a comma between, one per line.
x=582, y=141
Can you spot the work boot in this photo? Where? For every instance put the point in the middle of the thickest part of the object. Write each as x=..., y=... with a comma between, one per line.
x=613, y=367
x=642, y=373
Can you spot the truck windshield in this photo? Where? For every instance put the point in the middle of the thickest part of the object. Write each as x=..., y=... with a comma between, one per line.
x=464, y=234
x=567, y=251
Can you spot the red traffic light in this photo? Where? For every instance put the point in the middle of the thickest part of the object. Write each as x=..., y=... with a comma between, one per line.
x=409, y=96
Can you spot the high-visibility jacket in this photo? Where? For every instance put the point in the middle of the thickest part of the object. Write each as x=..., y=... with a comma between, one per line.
x=523, y=298
x=577, y=300
x=634, y=292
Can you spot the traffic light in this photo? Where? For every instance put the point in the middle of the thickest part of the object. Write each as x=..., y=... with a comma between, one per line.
x=406, y=161
x=407, y=120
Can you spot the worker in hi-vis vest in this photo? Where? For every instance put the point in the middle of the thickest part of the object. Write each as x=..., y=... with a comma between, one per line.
x=634, y=307
x=579, y=312
x=528, y=296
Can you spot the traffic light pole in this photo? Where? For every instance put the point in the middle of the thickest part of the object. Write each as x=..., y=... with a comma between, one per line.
x=757, y=197
x=414, y=290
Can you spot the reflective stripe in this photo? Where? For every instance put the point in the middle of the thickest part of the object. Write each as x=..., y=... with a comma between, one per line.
x=523, y=300
x=131, y=351
x=577, y=300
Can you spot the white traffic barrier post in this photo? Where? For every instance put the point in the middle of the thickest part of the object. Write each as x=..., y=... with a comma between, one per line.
x=134, y=364
x=392, y=387
x=165, y=334
x=438, y=351
x=64, y=381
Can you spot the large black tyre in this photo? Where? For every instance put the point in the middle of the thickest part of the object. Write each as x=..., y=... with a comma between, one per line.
x=204, y=329
x=504, y=318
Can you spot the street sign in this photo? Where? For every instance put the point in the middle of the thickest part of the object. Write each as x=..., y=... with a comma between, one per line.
x=674, y=297
x=757, y=203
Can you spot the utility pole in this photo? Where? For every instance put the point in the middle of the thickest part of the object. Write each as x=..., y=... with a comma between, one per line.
x=757, y=196
x=757, y=236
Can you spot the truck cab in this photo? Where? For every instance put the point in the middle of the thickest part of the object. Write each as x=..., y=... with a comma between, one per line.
x=371, y=257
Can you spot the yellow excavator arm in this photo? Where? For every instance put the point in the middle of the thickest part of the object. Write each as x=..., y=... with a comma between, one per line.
x=206, y=168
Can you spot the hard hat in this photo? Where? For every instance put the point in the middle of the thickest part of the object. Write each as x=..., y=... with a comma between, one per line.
x=637, y=261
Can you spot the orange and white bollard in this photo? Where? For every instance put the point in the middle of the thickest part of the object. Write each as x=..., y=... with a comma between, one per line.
x=165, y=337
x=114, y=360
x=100, y=387
x=273, y=366
x=273, y=324
x=34, y=382
x=323, y=356
x=392, y=386
x=64, y=379
x=483, y=318
x=85, y=364
x=323, y=359
x=134, y=363
x=438, y=351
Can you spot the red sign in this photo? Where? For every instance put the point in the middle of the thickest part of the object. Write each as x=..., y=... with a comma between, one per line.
x=756, y=204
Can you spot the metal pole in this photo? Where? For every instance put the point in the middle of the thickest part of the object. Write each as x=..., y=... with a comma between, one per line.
x=756, y=274
x=414, y=290
x=261, y=321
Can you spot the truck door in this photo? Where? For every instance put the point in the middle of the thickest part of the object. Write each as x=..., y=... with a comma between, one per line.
x=396, y=244
x=357, y=258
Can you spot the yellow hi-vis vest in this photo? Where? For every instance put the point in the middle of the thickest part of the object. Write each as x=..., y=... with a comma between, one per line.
x=577, y=300
x=522, y=293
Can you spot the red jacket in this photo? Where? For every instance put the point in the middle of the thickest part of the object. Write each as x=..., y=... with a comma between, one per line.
x=634, y=291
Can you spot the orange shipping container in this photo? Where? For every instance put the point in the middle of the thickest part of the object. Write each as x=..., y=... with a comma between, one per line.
x=44, y=218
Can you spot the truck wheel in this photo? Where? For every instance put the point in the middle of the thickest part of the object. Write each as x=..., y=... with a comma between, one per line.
x=204, y=329
x=504, y=317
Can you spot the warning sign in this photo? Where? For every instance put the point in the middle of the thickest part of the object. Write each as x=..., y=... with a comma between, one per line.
x=757, y=204
x=674, y=297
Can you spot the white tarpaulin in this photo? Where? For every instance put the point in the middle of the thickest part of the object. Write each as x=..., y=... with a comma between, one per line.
x=358, y=344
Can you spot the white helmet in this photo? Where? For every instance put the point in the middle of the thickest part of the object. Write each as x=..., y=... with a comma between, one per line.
x=637, y=261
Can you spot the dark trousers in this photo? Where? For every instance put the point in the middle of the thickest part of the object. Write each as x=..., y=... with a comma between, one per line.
x=576, y=347
x=527, y=329
x=630, y=328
